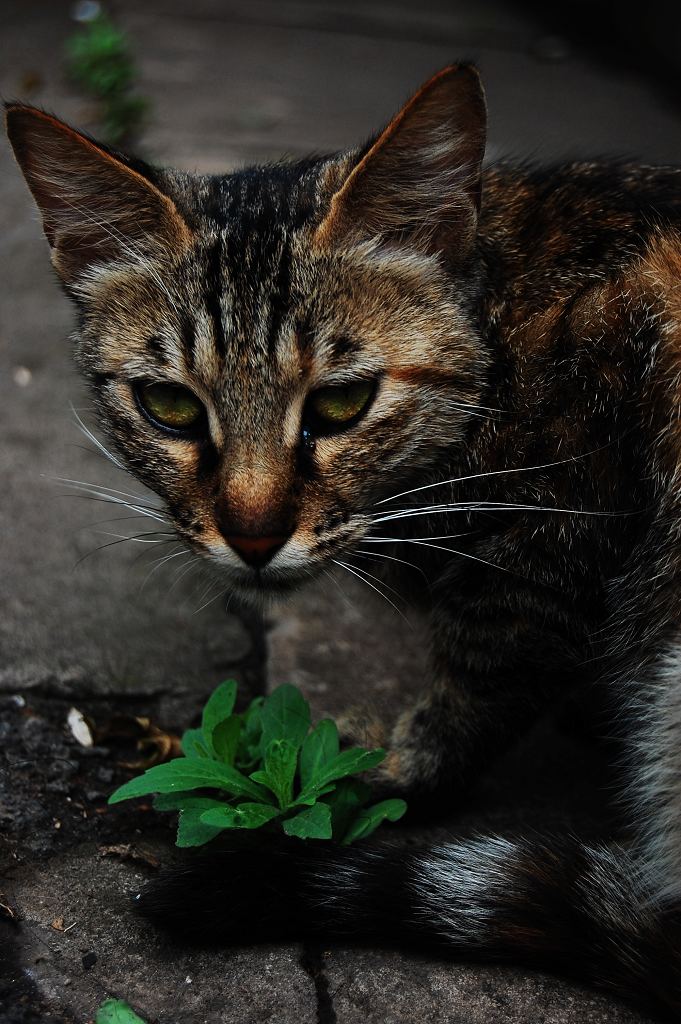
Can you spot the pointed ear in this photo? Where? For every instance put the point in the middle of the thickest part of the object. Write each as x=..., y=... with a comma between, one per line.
x=95, y=206
x=421, y=178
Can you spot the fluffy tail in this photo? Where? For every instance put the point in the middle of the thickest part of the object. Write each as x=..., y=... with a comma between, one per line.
x=566, y=906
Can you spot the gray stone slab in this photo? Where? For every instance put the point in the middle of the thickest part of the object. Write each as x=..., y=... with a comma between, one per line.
x=380, y=987
x=342, y=644
x=78, y=906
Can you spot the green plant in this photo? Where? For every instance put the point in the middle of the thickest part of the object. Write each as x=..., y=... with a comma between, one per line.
x=115, y=1011
x=266, y=768
x=99, y=60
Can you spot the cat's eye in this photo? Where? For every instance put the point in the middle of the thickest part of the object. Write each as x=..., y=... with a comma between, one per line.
x=170, y=406
x=336, y=408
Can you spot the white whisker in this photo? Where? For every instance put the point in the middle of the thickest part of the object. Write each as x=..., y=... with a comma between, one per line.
x=140, y=538
x=95, y=440
x=158, y=562
x=86, y=491
x=183, y=570
x=392, y=558
x=479, y=476
x=484, y=506
x=356, y=572
x=463, y=554
x=221, y=591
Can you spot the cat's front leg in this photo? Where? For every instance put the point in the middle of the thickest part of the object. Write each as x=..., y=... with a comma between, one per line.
x=489, y=683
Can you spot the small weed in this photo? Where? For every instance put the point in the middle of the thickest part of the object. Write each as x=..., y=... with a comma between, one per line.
x=265, y=768
x=99, y=60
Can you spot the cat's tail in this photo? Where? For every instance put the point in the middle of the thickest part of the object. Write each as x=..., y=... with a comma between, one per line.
x=558, y=904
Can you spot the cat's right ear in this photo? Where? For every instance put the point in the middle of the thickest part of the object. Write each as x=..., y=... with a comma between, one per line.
x=420, y=180
x=96, y=207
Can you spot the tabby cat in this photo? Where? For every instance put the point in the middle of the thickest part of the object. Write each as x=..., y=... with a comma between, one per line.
x=392, y=346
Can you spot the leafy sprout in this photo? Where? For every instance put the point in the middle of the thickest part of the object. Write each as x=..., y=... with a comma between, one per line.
x=265, y=768
x=99, y=61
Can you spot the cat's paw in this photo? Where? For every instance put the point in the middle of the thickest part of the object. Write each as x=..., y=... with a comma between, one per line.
x=363, y=726
x=409, y=771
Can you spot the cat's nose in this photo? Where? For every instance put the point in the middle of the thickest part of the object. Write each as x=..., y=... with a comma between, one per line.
x=256, y=551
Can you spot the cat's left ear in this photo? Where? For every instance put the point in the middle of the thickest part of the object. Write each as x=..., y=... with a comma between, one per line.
x=420, y=181
x=96, y=206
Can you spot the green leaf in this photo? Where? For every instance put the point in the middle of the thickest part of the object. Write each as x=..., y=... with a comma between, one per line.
x=244, y=815
x=319, y=748
x=190, y=773
x=368, y=820
x=248, y=753
x=345, y=801
x=312, y=823
x=179, y=801
x=285, y=716
x=115, y=1011
x=218, y=707
x=225, y=739
x=192, y=744
x=349, y=762
x=191, y=830
x=281, y=760
x=309, y=797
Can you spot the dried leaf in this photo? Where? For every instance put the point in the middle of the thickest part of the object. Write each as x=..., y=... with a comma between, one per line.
x=164, y=746
x=126, y=851
x=8, y=911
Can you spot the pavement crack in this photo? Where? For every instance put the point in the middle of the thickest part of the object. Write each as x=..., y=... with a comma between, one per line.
x=312, y=962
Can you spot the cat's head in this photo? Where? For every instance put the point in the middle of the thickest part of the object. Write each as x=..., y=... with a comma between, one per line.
x=276, y=350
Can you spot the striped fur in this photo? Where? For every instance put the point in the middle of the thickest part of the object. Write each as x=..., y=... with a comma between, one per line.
x=521, y=450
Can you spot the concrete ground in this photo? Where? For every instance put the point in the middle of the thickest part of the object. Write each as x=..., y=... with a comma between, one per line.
x=120, y=638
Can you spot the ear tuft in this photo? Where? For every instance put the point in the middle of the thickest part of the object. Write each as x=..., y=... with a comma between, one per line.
x=421, y=178
x=95, y=206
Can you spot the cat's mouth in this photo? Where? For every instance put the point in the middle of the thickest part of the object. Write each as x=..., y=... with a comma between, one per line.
x=290, y=567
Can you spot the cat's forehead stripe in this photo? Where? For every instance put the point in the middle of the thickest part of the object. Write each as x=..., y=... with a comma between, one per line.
x=247, y=267
x=213, y=294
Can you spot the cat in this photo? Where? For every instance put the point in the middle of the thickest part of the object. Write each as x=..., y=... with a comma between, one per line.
x=379, y=351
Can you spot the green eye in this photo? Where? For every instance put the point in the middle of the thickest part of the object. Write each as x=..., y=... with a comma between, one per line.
x=170, y=405
x=338, y=407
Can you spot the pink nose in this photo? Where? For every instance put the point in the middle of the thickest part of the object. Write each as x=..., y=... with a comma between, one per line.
x=256, y=551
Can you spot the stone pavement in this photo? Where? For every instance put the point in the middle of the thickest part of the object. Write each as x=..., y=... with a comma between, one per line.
x=116, y=634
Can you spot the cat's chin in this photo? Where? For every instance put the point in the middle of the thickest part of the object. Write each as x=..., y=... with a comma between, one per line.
x=265, y=589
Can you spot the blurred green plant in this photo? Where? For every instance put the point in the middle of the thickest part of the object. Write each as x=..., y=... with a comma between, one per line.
x=116, y=1011
x=99, y=61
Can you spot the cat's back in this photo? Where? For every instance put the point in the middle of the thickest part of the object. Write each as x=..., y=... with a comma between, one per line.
x=585, y=321
x=547, y=233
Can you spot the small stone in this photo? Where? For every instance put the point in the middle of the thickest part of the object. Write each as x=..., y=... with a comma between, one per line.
x=86, y=10
x=81, y=730
x=22, y=376
x=89, y=960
